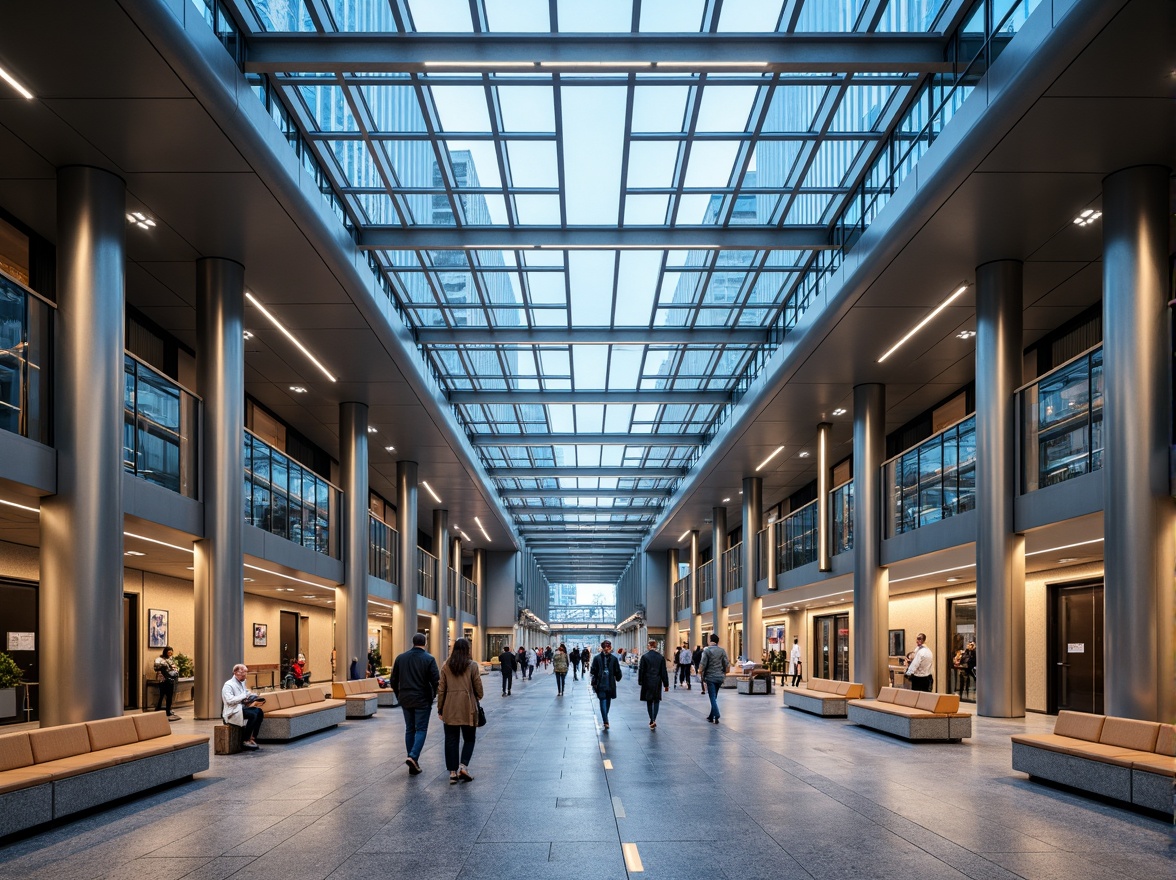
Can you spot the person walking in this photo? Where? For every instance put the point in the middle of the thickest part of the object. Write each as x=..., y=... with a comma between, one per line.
x=606, y=672
x=521, y=661
x=547, y=656
x=559, y=662
x=712, y=670
x=654, y=680
x=968, y=670
x=575, y=661
x=584, y=660
x=507, y=665
x=458, y=694
x=794, y=663
x=532, y=661
x=414, y=679
x=685, y=658
x=922, y=665
x=167, y=673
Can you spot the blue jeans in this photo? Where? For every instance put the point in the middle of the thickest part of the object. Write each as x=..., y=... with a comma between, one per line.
x=712, y=691
x=605, y=702
x=416, y=725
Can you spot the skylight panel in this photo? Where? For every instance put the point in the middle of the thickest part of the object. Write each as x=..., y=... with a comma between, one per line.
x=671, y=16
x=517, y=16
x=527, y=108
x=725, y=108
x=475, y=163
x=643, y=210
x=561, y=417
x=637, y=287
x=617, y=418
x=593, y=131
x=692, y=209
x=533, y=163
x=461, y=108
x=362, y=16
x=289, y=17
x=651, y=163
x=829, y=16
x=659, y=108
x=537, y=210
x=589, y=363
x=751, y=16
x=589, y=417
x=598, y=16
x=910, y=16
x=625, y=367
x=611, y=456
x=590, y=275
x=441, y=16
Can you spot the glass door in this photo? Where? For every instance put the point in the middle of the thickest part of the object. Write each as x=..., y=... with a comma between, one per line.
x=831, y=642
x=961, y=623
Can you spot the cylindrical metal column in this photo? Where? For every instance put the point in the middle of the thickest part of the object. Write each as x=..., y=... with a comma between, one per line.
x=479, y=578
x=1137, y=407
x=672, y=616
x=695, y=590
x=1000, y=551
x=753, y=517
x=351, y=597
x=718, y=545
x=824, y=558
x=871, y=582
x=219, y=558
x=455, y=564
x=406, y=525
x=440, y=646
x=81, y=558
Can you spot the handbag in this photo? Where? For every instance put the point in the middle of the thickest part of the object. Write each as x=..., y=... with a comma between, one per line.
x=481, y=716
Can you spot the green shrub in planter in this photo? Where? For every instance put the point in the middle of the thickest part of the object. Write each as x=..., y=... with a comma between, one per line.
x=10, y=673
x=186, y=664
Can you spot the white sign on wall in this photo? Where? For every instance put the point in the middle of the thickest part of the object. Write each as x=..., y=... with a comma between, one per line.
x=22, y=641
x=1076, y=648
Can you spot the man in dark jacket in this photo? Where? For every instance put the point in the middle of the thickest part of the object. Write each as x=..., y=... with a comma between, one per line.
x=575, y=661
x=506, y=665
x=653, y=678
x=606, y=672
x=414, y=679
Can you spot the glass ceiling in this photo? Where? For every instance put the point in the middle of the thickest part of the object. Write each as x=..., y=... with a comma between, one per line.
x=588, y=249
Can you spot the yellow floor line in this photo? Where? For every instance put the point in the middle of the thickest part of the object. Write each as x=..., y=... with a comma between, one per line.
x=607, y=764
x=632, y=858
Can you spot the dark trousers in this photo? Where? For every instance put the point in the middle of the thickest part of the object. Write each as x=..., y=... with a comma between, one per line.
x=416, y=726
x=651, y=706
x=467, y=734
x=576, y=671
x=530, y=671
x=796, y=678
x=167, y=691
x=605, y=702
x=507, y=680
x=922, y=683
x=684, y=674
x=560, y=678
x=253, y=719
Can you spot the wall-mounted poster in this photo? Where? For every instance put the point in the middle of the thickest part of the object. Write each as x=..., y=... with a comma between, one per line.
x=898, y=643
x=260, y=635
x=156, y=628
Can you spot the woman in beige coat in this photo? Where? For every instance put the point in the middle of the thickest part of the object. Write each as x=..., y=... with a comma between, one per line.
x=457, y=707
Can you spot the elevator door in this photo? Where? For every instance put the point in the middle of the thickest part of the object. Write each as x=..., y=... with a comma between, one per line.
x=288, y=623
x=1077, y=655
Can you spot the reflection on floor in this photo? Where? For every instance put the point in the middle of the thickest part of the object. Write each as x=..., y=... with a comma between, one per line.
x=770, y=792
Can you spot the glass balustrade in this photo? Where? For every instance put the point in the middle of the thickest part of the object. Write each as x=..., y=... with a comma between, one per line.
x=25, y=362
x=383, y=550
x=426, y=574
x=682, y=594
x=160, y=429
x=290, y=501
x=841, y=507
x=706, y=581
x=796, y=538
x=761, y=555
x=933, y=480
x=469, y=596
x=733, y=568
x=1061, y=423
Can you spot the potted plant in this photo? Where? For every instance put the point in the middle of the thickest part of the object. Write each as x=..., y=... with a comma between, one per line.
x=186, y=664
x=10, y=677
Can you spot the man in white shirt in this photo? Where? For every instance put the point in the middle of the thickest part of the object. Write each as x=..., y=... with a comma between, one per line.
x=684, y=660
x=240, y=706
x=921, y=667
x=794, y=663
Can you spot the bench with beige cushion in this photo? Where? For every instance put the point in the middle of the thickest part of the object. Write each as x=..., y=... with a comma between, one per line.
x=293, y=713
x=362, y=696
x=913, y=715
x=54, y=772
x=823, y=696
x=1121, y=758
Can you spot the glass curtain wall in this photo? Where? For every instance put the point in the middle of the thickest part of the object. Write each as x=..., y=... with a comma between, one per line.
x=933, y=480
x=1061, y=415
x=25, y=325
x=286, y=499
x=160, y=429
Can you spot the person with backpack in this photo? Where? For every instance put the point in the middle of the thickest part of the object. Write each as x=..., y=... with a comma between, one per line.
x=653, y=678
x=712, y=669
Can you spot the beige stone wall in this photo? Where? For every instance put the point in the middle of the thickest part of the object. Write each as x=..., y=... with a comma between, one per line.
x=1036, y=614
x=20, y=562
x=155, y=591
x=316, y=628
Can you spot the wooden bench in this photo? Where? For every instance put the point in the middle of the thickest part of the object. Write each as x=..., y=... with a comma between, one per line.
x=55, y=772
x=823, y=696
x=362, y=696
x=291, y=714
x=1120, y=758
x=913, y=715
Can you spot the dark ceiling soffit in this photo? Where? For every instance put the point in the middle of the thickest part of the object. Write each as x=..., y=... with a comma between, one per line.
x=535, y=53
x=493, y=238
x=668, y=396
x=495, y=440
x=591, y=336
x=587, y=472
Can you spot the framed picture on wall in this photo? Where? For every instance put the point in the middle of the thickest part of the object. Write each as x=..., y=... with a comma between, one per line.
x=898, y=643
x=156, y=628
x=260, y=635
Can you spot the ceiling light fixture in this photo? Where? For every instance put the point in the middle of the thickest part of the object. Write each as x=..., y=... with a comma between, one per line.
x=956, y=294
x=248, y=334
x=288, y=577
x=429, y=489
x=302, y=348
x=389, y=448
x=930, y=573
x=372, y=430
x=725, y=500
x=485, y=534
x=20, y=506
x=12, y=81
x=1066, y=547
x=247, y=580
x=160, y=543
x=966, y=334
x=804, y=455
x=1087, y=217
x=684, y=535
x=840, y=411
x=133, y=553
x=138, y=218
x=1066, y=560
x=298, y=389
x=763, y=464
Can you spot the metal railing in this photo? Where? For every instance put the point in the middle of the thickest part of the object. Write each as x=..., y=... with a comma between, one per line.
x=426, y=574
x=383, y=550
x=706, y=581
x=161, y=429
x=761, y=554
x=288, y=500
x=933, y=480
x=841, y=511
x=796, y=538
x=1061, y=416
x=26, y=362
x=469, y=597
x=733, y=568
x=682, y=594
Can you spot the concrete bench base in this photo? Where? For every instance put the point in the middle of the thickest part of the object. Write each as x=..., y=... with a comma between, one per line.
x=362, y=705
x=1093, y=776
x=26, y=808
x=292, y=727
x=387, y=699
x=825, y=705
x=1153, y=791
x=914, y=728
x=76, y=793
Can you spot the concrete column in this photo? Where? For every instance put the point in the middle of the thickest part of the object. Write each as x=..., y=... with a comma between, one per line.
x=695, y=605
x=479, y=578
x=440, y=647
x=824, y=559
x=753, y=516
x=718, y=545
x=351, y=597
x=406, y=525
x=672, y=615
x=871, y=582
x=81, y=557
x=1000, y=551
x=1137, y=409
x=218, y=565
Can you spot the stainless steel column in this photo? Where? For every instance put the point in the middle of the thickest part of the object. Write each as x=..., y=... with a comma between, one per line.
x=455, y=564
x=1137, y=408
x=81, y=558
x=695, y=604
x=440, y=645
x=406, y=525
x=718, y=545
x=753, y=516
x=351, y=598
x=672, y=615
x=824, y=559
x=871, y=582
x=479, y=578
x=1000, y=551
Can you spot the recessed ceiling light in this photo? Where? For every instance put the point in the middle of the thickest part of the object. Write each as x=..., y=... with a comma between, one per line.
x=248, y=580
x=952, y=580
x=965, y=334
x=302, y=348
x=1087, y=217
x=191, y=568
x=956, y=294
x=485, y=534
x=804, y=455
x=684, y=534
x=725, y=500
x=12, y=81
x=429, y=489
x=389, y=448
x=309, y=597
x=137, y=218
x=134, y=553
x=840, y=411
x=1067, y=559
x=298, y=389
x=372, y=430
x=763, y=464
x=248, y=334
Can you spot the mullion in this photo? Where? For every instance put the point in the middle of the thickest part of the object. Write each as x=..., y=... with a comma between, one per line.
x=693, y=104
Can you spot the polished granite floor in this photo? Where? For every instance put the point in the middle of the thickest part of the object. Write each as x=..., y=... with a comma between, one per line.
x=770, y=793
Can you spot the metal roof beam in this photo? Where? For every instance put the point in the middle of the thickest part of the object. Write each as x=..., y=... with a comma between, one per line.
x=596, y=53
x=667, y=396
x=507, y=494
x=591, y=336
x=636, y=473
x=612, y=439
x=492, y=238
